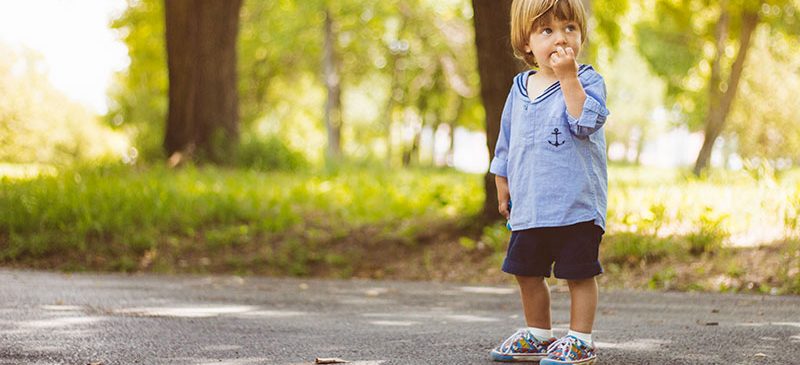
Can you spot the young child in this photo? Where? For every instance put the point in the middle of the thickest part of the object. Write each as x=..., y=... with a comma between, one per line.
x=550, y=160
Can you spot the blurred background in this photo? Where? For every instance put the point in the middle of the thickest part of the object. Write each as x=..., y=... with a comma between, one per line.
x=349, y=138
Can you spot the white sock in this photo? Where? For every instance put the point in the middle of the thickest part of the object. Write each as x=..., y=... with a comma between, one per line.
x=585, y=337
x=541, y=333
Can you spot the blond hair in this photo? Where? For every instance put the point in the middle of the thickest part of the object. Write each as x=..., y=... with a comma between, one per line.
x=526, y=15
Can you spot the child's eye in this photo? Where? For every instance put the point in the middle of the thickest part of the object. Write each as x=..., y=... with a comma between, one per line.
x=571, y=28
x=547, y=31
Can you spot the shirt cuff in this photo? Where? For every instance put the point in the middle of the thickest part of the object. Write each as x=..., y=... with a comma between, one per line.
x=593, y=115
x=499, y=167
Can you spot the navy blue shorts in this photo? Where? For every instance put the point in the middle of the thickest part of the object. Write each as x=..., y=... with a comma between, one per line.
x=573, y=248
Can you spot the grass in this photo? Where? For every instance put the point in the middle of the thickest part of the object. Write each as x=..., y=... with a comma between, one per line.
x=353, y=221
x=110, y=217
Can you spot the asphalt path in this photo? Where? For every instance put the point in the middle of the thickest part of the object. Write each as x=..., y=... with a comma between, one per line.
x=54, y=318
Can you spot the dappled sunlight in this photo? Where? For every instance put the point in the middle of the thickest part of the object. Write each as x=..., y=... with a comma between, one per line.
x=208, y=312
x=61, y=308
x=272, y=313
x=644, y=344
x=186, y=312
x=222, y=348
x=217, y=361
x=394, y=323
x=762, y=324
x=788, y=324
x=351, y=362
x=487, y=290
x=26, y=171
x=396, y=319
x=469, y=318
x=60, y=322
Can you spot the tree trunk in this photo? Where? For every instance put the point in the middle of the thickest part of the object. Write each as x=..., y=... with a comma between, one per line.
x=720, y=101
x=203, y=112
x=496, y=67
x=388, y=111
x=333, y=106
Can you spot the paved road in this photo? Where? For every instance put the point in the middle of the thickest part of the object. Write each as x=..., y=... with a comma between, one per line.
x=52, y=318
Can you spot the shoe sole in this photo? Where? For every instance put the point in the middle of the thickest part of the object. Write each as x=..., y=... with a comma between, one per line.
x=556, y=362
x=496, y=356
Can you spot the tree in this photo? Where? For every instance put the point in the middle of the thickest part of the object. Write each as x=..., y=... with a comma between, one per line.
x=203, y=116
x=333, y=106
x=282, y=83
x=497, y=67
x=700, y=49
x=40, y=124
x=763, y=123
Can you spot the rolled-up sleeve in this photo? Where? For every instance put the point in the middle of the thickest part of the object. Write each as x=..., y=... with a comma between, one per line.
x=594, y=113
x=499, y=165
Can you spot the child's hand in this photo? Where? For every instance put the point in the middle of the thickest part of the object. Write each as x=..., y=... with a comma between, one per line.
x=563, y=63
x=504, y=209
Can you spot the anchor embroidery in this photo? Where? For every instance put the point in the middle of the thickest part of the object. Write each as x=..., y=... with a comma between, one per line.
x=556, y=133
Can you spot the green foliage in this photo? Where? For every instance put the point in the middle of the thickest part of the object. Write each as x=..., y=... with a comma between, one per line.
x=267, y=154
x=679, y=41
x=710, y=233
x=662, y=279
x=672, y=40
x=138, y=98
x=607, y=15
x=632, y=249
x=39, y=124
x=425, y=45
x=789, y=273
x=764, y=119
x=791, y=216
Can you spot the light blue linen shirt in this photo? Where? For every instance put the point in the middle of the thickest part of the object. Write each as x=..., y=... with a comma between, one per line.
x=555, y=164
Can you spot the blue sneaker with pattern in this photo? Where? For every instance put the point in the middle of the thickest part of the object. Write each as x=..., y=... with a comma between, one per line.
x=522, y=346
x=569, y=350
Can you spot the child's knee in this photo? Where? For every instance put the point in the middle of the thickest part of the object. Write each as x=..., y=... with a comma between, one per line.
x=527, y=280
x=581, y=282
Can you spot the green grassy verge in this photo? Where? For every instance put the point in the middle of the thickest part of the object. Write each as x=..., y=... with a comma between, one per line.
x=117, y=218
x=666, y=230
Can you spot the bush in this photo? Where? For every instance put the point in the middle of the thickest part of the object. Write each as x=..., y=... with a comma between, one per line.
x=710, y=234
x=267, y=154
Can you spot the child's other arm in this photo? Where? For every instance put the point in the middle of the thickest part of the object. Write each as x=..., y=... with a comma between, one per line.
x=503, y=195
x=499, y=165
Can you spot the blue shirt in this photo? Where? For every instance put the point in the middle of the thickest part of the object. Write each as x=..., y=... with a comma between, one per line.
x=555, y=164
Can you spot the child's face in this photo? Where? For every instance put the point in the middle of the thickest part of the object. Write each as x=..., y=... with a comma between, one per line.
x=551, y=33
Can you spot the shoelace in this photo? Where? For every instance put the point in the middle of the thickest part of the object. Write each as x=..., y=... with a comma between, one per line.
x=511, y=340
x=562, y=346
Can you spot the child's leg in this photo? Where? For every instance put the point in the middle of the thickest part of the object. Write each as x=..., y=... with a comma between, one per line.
x=583, y=295
x=535, y=300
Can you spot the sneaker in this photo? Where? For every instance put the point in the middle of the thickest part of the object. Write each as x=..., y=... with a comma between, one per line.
x=522, y=346
x=570, y=350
